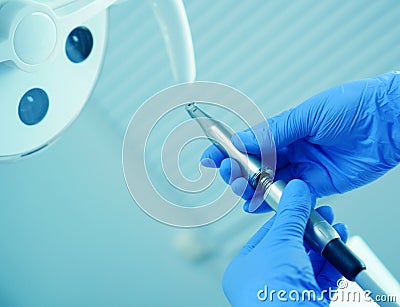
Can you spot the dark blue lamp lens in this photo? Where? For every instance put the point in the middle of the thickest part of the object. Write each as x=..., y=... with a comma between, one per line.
x=33, y=106
x=79, y=45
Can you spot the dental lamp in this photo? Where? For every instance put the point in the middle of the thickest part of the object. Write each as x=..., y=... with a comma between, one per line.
x=51, y=52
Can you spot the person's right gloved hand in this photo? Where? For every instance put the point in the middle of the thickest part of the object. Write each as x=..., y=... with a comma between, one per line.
x=336, y=141
x=276, y=260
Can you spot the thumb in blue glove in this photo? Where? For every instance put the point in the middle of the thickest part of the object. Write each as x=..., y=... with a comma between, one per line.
x=275, y=259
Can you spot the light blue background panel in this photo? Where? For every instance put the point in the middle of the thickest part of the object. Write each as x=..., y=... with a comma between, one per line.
x=70, y=233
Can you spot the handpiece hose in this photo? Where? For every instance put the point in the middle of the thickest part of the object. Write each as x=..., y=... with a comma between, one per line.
x=319, y=234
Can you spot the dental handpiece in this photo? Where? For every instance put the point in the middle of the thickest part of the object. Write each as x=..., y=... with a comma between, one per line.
x=319, y=234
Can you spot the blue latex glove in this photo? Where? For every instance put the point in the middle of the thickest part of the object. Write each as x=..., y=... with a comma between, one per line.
x=336, y=141
x=276, y=257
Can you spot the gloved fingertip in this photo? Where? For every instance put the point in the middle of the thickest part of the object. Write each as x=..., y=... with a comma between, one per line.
x=252, y=208
x=343, y=231
x=207, y=162
x=293, y=210
x=225, y=170
x=296, y=192
x=256, y=202
x=230, y=170
x=214, y=154
x=246, y=206
x=327, y=213
x=242, y=188
x=262, y=208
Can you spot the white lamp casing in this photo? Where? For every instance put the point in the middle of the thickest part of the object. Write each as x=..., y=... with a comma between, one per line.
x=33, y=36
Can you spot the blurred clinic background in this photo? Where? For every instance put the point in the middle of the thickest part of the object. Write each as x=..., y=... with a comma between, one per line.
x=71, y=234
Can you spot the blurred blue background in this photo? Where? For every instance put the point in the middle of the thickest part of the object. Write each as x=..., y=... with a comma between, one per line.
x=70, y=233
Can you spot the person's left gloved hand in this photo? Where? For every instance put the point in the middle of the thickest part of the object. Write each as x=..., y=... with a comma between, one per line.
x=276, y=259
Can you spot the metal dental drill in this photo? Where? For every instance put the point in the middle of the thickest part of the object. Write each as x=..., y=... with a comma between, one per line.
x=319, y=234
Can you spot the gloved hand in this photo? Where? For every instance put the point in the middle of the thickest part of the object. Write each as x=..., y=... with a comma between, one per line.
x=276, y=259
x=336, y=141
